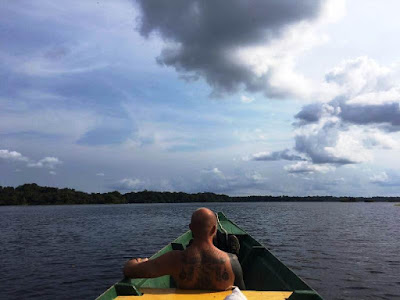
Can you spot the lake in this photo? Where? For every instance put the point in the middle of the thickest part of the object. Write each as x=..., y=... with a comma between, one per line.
x=342, y=250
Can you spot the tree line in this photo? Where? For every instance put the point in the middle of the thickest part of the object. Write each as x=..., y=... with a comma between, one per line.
x=33, y=194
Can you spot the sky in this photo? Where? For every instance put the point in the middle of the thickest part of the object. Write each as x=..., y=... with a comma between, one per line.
x=256, y=98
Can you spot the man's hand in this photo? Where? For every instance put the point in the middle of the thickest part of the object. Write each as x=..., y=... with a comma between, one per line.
x=166, y=264
x=132, y=263
x=137, y=260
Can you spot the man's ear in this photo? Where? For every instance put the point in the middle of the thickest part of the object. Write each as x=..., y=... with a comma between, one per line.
x=190, y=227
x=213, y=230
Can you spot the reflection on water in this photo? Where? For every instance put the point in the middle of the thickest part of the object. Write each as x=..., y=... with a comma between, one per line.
x=343, y=250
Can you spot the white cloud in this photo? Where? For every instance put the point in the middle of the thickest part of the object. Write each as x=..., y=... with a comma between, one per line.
x=347, y=147
x=246, y=99
x=256, y=177
x=100, y=174
x=327, y=142
x=347, y=129
x=391, y=95
x=216, y=181
x=386, y=179
x=362, y=117
x=48, y=162
x=359, y=76
x=12, y=155
x=333, y=11
x=52, y=173
x=41, y=66
x=252, y=135
x=274, y=65
x=307, y=167
x=272, y=156
x=376, y=138
x=214, y=172
x=130, y=184
x=379, y=178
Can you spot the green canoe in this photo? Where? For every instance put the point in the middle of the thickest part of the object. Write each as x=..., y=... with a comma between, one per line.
x=265, y=276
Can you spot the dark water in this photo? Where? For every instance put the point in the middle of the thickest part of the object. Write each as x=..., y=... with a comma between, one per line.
x=343, y=250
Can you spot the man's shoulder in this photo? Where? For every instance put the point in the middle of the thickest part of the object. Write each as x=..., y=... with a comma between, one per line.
x=172, y=257
x=175, y=254
x=236, y=267
x=237, y=271
x=204, y=256
x=232, y=256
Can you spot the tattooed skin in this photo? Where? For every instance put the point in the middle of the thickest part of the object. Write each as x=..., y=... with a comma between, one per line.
x=237, y=271
x=203, y=271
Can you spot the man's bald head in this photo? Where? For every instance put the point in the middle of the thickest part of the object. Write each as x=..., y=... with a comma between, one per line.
x=203, y=223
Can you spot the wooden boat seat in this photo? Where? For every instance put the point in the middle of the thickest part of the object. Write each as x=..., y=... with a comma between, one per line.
x=176, y=294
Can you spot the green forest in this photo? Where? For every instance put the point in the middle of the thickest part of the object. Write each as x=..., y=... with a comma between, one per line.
x=33, y=194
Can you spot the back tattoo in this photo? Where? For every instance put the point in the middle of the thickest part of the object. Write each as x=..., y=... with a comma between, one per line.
x=207, y=269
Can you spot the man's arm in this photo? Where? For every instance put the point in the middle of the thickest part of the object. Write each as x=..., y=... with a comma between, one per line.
x=143, y=268
x=237, y=270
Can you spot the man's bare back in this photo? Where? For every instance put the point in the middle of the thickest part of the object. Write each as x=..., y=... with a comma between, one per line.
x=200, y=266
x=207, y=268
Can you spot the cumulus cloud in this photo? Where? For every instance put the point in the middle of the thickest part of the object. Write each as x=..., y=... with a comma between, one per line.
x=368, y=94
x=48, y=162
x=215, y=180
x=386, y=180
x=379, y=178
x=377, y=138
x=277, y=155
x=130, y=184
x=12, y=155
x=376, y=98
x=252, y=45
x=360, y=76
x=345, y=130
x=214, y=172
x=329, y=143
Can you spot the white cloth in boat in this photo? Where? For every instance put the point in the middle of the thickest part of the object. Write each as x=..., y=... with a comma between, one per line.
x=236, y=295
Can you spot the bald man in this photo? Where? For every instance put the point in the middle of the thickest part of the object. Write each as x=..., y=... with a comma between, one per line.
x=200, y=266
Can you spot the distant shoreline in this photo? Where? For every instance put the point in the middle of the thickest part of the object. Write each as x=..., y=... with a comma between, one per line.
x=33, y=194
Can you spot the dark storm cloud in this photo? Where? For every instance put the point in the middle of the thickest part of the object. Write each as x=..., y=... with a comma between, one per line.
x=205, y=33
